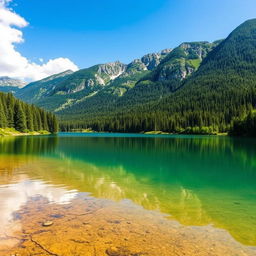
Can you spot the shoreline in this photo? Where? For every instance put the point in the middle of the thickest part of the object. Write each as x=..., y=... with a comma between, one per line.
x=89, y=131
x=11, y=132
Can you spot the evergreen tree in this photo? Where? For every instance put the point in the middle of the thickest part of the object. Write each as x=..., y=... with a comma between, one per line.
x=10, y=110
x=44, y=121
x=3, y=120
x=19, y=117
x=29, y=118
x=53, y=123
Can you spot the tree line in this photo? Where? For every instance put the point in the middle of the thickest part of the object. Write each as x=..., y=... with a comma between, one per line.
x=24, y=117
x=194, y=110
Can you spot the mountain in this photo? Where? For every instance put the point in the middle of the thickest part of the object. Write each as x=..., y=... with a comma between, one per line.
x=220, y=89
x=181, y=62
x=195, y=87
x=63, y=90
x=144, y=85
x=168, y=76
x=105, y=86
x=8, y=84
x=223, y=88
x=43, y=88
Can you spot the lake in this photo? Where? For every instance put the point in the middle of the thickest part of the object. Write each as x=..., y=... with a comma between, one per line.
x=127, y=195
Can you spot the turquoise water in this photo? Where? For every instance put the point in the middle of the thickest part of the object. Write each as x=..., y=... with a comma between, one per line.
x=195, y=180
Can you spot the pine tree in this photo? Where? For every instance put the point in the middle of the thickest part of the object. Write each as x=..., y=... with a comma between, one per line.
x=39, y=120
x=19, y=117
x=3, y=120
x=29, y=118
x=10, y=110
x=35, y=119
x=55, y=127
x=44, y=121
x=53, y=123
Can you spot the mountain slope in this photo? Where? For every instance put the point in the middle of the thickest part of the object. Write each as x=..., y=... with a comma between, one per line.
x=221, y=90
x=224, y=86
x=138, y=85
x=181, y=62
x=168, y=76
x=61, y=91
x=42, y=88
x=80, y=85
x=200, y=85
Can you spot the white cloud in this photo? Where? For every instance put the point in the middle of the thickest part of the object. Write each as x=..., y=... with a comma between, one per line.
x=12, y=63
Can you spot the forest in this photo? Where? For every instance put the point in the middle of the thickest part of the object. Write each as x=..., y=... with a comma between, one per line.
x=23, y=117
x=217, y=98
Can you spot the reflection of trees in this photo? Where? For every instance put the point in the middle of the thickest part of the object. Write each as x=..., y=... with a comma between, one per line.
x=198, y=180
x=144, y=154
x=17, y=152
x=28, y=144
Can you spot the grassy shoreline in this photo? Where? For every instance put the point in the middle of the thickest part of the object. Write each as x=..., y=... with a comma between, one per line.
x=146, y=133
x=12, y=132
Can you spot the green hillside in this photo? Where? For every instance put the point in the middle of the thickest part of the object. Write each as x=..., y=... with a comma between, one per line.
x=221, y=90
x=139, y=85
x=224, y=86
x=198, y=87
x=105, y=83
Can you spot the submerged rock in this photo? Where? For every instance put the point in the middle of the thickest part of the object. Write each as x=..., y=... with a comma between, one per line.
x=112, y=251
x=47, y=223
x=119, y=251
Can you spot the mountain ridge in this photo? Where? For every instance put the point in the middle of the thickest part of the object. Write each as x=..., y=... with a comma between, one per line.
x=220, y=91
x=186, y=86
x=80, y=85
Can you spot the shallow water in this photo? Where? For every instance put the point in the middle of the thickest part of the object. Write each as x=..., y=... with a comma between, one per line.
x=116, y=194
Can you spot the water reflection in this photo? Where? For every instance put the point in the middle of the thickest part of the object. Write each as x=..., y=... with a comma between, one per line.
x=196, y=180
x=28, y=145
x=13, y=196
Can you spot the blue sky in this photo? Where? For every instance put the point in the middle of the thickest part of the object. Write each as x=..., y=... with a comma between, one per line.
x=90, y=32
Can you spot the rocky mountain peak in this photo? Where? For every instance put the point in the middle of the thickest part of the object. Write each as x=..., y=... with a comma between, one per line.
x=165, y=51
x=6, y=81
x=152, y=60
x=198, y=49
x=112, y=69
x=136, y=66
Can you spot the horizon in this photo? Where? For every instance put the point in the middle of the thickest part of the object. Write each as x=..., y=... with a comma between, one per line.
x=43, y=41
